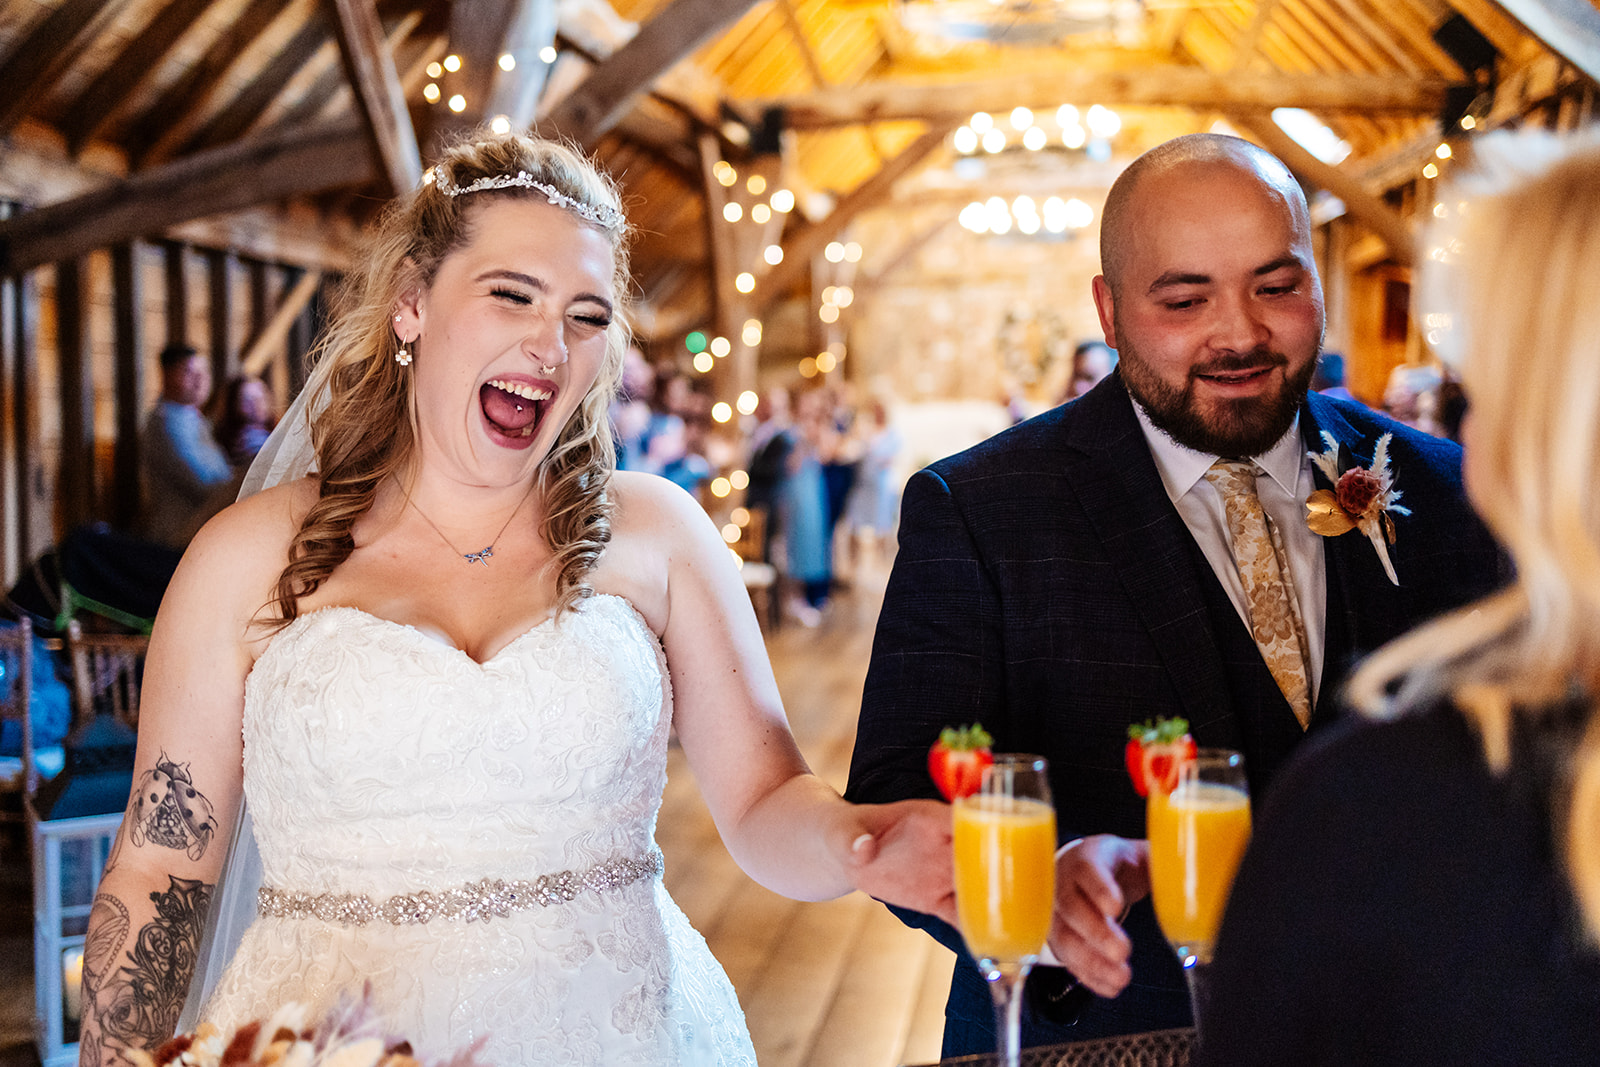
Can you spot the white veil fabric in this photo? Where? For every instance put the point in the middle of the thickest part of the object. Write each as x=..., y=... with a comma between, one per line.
x=287, y=456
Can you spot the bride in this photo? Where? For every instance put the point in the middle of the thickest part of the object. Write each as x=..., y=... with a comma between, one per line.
x=444, y=670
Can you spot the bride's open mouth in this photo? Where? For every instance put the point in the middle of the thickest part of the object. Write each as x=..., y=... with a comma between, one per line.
x=513, y=409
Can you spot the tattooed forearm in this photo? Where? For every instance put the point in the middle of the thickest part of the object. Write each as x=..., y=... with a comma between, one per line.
x=166, y=810
x=137, y=1004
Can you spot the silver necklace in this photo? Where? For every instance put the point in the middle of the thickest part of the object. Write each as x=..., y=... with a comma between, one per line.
x=483, y=554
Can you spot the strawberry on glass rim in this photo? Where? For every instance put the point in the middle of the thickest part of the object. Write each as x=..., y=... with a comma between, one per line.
x=956, y=761
x=1155, y=751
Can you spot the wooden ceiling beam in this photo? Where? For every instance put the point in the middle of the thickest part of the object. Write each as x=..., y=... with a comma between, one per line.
x=276, y=166
x=326, y=95
x=87, y=115
x=1569, y=28
x=516, y=92
x=369, y=64
x=44, y=54
x=1169, y=86
x=241, y=113
x=616, y=82
x=150, y=135
x=808, y=242
x=1365, y=208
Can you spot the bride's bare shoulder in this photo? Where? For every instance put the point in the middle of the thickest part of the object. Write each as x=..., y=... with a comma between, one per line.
x=246, y=545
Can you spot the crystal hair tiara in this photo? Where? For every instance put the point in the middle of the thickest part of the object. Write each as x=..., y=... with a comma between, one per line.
x=608, y=217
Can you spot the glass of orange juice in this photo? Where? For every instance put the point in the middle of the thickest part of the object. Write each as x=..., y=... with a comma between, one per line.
x=1198, y=834
x=1005, y=875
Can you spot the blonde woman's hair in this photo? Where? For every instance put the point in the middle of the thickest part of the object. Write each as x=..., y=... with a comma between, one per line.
x=366, y=429
x=1532, y=369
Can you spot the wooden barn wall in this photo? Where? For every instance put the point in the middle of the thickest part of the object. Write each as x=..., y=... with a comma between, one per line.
x=224, y=297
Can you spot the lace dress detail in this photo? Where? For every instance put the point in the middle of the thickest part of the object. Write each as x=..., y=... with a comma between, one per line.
x=379, y=761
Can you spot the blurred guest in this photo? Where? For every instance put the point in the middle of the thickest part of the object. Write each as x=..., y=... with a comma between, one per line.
x=669, y=454
x=248, y=417
x=180, y=463
x=1091, y=361
x=1411, y=397
x=874, y=504
x=768, y=466
x=630, y=409
x=803, y=511
x=1425, y=889
x=1328, y=378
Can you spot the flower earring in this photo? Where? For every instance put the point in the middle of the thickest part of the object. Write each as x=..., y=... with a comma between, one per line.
x=402, y=357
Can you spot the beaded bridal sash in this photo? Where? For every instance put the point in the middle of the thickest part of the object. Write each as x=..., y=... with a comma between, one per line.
x=489, y=898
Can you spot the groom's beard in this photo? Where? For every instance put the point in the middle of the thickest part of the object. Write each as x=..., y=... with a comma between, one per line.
x=1232, y=428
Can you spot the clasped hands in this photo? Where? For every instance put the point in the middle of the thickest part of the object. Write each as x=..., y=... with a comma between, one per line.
x=906, y=861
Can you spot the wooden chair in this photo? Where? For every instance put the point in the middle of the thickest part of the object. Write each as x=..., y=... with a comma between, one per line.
x=107, y=672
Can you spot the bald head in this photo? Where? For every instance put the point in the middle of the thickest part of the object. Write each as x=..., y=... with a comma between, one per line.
x=1120, y=217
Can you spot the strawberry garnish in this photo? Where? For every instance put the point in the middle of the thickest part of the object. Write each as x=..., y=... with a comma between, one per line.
x=1154, y=753
x=956, y=761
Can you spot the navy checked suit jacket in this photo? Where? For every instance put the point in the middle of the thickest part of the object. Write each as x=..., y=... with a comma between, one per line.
x=1046, y=587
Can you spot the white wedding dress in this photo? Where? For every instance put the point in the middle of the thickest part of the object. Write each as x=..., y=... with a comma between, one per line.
x=381, y=763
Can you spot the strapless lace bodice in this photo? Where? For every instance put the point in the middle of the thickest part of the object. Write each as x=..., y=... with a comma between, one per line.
x=381, y=762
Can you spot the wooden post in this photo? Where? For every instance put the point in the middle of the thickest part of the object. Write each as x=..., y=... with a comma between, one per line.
x=177, y=293
x=219, y=276
x=75, y=496
x=20, y=314
x=129, y=355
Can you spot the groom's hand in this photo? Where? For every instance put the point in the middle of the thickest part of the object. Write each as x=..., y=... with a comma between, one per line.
x=901, y=854
x=1097, y=879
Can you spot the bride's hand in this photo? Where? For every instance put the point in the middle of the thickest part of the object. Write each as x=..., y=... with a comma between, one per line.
x=901, y=855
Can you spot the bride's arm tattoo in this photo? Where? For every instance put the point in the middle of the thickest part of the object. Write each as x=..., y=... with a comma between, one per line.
x=167, y=810
x=136, y=1004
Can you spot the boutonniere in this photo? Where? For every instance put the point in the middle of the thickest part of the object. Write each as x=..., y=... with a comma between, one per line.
x=1362, y=498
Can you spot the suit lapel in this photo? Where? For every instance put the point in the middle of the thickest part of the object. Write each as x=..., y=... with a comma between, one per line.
x=1364, y=608
x=1122, y=495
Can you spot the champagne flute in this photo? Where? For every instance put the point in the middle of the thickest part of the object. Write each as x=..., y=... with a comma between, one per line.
x=1198, y=834
x=1005, y=874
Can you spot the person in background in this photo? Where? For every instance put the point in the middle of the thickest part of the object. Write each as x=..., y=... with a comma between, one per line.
x=247, y=418
x=874, y=505
x=1328, y=378
x=180, y=464
x=1091, y=361
x=1424, y=887
x=1412, y=397
x=630, y=410
x=803, y=510
x=770, y=445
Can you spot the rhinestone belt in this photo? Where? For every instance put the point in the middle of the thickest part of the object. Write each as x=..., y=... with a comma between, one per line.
x=487, y=899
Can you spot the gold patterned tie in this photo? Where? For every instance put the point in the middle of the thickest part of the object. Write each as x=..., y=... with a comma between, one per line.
x=1268, y=587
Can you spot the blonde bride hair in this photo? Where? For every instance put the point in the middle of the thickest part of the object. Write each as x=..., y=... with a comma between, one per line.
x=366, y=431
x=1532, y=368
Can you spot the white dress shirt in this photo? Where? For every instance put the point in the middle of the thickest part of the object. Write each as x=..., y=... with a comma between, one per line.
x=1283, y=494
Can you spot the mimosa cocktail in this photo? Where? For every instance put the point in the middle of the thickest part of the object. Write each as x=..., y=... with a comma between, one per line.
x=1005, y=851
x=1198, y=833
x=1005, y=876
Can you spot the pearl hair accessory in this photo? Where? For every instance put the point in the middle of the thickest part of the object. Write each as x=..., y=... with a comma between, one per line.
x=602, y=215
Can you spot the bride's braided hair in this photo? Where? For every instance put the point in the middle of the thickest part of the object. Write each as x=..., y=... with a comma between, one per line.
x=367, y=430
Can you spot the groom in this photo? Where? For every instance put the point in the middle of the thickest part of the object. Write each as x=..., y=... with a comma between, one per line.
x=1089, y=569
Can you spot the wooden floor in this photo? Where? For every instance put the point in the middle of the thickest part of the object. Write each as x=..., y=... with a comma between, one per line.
x=835, y=984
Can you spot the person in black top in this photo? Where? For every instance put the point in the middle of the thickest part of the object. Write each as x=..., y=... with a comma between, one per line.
x=1426, y=889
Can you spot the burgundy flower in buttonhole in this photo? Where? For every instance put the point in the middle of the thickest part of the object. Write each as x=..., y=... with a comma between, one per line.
x=1356, y=490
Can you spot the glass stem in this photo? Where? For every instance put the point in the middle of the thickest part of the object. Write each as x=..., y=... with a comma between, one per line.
x=1194, y=973
x=1005, y=985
